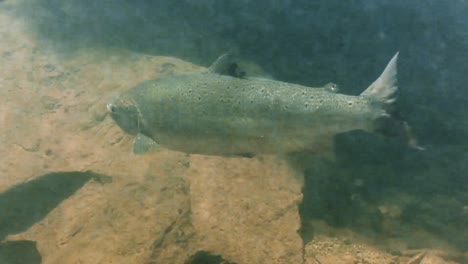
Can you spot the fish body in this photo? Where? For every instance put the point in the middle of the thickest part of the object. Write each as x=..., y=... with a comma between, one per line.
x=221, y=112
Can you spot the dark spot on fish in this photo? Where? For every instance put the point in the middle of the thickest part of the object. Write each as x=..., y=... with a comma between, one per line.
x=303, y=92
x=350, y=103
x=7, y=54
x=190, y=91
x=321, y=101
x=306, y=104
x=199, y=98
x=48, y=152
x=247, y=155
x=49, y=67
x=311, y=97
x=167, y=67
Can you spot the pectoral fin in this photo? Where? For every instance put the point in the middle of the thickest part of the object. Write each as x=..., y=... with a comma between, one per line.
x=143, y=144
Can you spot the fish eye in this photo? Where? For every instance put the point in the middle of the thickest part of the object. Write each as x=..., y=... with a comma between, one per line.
x=110, y=108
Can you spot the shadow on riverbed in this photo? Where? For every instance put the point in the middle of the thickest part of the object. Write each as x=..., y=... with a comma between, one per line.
x=27, y=203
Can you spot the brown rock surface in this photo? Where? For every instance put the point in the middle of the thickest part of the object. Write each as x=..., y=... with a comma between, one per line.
x=242, y=203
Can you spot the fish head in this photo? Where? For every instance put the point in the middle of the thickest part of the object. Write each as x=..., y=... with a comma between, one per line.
x=124, y=111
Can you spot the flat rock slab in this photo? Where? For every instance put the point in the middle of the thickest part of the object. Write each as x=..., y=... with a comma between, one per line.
x=247, y=209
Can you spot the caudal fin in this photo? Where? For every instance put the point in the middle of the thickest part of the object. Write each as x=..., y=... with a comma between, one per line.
x=383, y=94
x=385, y=88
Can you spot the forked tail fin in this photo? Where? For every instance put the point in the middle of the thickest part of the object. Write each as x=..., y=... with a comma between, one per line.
x=385, y=88
x=383, y=93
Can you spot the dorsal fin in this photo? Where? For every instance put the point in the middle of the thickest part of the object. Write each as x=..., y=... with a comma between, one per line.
x=226, y=65
x=385, y=88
